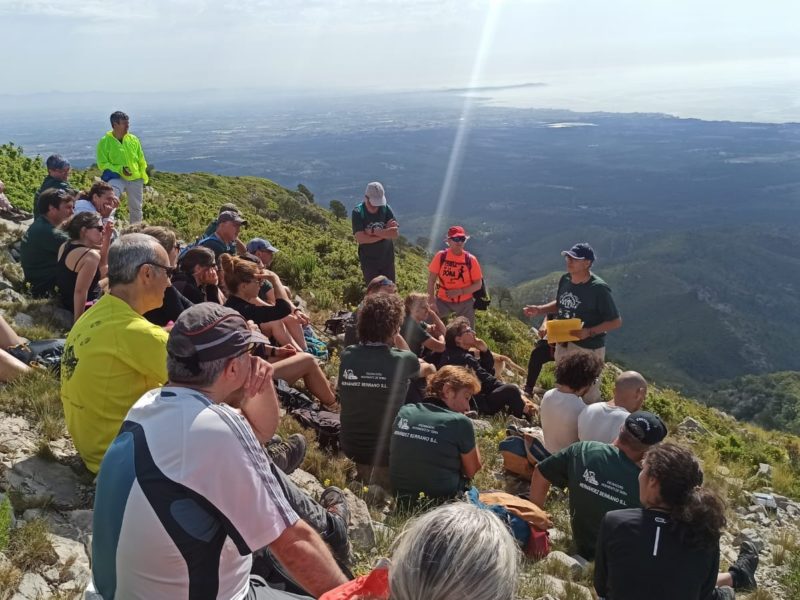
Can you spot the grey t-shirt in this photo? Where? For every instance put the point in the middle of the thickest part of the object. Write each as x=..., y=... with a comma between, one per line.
x=600, y=422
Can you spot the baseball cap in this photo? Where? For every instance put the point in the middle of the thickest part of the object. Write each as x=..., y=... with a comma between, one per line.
x=228, y=215
x=581, y=251
x=56, y=162
x=208, y=331
x=646, y=427
x=375, y=194
x=257, y=244
x=229, y=207
x=456, y=231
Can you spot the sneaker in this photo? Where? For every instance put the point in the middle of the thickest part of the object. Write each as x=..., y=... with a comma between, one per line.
x=287, y=455
x=333, y=500
x=743, y=570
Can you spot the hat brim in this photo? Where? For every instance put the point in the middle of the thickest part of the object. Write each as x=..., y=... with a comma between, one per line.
x=379, y=202
x=572, y=255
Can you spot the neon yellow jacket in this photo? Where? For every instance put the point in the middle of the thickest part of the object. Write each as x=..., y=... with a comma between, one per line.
x=113, y=155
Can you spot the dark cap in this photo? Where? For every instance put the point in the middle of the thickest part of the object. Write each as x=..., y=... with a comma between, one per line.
x=581, y=251
x=257, y=244
x=229, y=215
x=208, y=331
x=56, y=162
x=646, y=427
x=229, y=207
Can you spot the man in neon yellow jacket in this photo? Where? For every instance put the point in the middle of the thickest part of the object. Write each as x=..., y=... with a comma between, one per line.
x=121, y=161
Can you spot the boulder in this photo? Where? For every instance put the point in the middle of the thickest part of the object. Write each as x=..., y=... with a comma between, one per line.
x=72, y=559
x=576, y=568
x=359, y=529
x=307, y=482
x=691, y=426
x=32, y=587
x=20, y=319
x=566, y=589
x=749, y=535
x=764, y=471
x=43, y=480
x=11, y=296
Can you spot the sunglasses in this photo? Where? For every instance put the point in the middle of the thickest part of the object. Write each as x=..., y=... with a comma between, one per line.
x=459, y=239
x=98, y=227
x=170, y=271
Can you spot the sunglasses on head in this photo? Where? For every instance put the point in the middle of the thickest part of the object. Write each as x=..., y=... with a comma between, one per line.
x=459, y=239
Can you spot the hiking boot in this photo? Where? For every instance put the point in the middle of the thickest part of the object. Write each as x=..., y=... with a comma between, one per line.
x=333, y=500
x=743, y=570
x=287, y=455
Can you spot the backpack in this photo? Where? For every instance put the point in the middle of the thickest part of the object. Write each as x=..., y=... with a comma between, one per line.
x=527, y=522
x=45, y=354
x=291, y=399
x=522, y=450
x=325, y=424
x=363, y=211
x=481, y=299
x=337, y=323
x=197, y=242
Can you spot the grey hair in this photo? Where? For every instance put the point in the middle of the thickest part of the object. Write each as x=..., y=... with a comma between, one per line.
x=127, y=254
x=454, y=552
x=210, y=371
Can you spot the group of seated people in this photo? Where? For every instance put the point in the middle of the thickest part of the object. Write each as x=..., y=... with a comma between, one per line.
x=166, y=383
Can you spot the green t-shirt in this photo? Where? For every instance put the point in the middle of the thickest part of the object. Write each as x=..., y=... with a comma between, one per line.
x=600, y=478
x=373, y=381
x=39, y=255
x=591, y=302
x=425, y=452
x=52, y=182
x=379, y=257
x=414, y=334
x=112, y=356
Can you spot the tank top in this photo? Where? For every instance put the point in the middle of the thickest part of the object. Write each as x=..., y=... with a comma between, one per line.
x=66, y=277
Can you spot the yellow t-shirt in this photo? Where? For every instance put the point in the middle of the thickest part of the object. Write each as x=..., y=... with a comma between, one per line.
x=112, y=357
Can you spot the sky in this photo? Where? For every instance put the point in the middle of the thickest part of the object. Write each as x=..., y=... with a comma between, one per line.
x=708, y=57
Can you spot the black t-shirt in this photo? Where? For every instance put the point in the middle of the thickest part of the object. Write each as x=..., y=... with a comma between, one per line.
x=640, y=554
x=260, y=314
x=186, y=285
x=379, y=256
x=174, y=304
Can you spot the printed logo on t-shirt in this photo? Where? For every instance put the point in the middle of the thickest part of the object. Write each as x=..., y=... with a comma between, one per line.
x=454, y=271
x=420, y=431
x=348, y=374
x=589, y=477
x=403, y=424
x=568, y=303
x=370, y=379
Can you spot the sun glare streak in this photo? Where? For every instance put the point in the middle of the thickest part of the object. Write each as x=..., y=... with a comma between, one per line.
x=457, y=151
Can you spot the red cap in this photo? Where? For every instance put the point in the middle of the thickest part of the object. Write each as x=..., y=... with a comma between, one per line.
x=456, y=231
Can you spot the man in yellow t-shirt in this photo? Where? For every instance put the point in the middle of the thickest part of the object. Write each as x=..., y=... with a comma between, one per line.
x=113, y=355
x=459, y=276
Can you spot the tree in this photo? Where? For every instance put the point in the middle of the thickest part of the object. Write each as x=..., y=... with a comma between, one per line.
x=338, y=209
x=306, y=192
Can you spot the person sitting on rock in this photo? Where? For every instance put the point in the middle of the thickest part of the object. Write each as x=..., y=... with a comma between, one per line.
x=100, y=199
x=185, y=494
x=236, y=246
x=433, y=444
x=115, y=355
x=42, y=240
x=600, y=477
x=197, y=277
x=673, y=540
x=8, y=211
x=242, y=278
x=223, y=240
x=600, y=422
x=494, y=395
x=373, y=381
x=82, y=261
x=422, y=329
x=562, y=406
x=442, y=555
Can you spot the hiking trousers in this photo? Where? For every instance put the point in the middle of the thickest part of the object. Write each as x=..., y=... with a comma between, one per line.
x=506, y=396
x=540, y=355
x=135, y=190
x=461, y=309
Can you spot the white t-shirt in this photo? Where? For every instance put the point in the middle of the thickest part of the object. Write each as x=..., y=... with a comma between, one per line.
x=184, y=496
x=601, y=422
x=559, y=412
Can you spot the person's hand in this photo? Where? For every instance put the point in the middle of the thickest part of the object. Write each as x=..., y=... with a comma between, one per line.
x=302, y=317
x=581, y=334
x=542, y=331
x=432, y=304
x=126, y=171
x=285, y=351
x=531, y=310
x=481, y=345
x=108, y=231
x=260, y=376
x=392, y=223
x=271, y=276
x=453, y=293
x=253, y=327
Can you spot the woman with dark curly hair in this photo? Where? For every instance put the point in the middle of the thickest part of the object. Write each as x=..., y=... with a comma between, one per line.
x=670, y=548
x=373, y=381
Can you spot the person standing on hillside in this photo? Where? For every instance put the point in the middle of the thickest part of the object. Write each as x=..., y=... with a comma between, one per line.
x=58, y=169
x=374, y=228
x=582, y=295
x=459, y=276
x=121, y=160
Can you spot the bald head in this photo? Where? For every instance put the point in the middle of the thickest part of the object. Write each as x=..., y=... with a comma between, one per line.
x=630, y=389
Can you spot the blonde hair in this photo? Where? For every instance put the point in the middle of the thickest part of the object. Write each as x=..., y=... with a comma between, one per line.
x=414, y=298
x=457, y=378
x=237, y=271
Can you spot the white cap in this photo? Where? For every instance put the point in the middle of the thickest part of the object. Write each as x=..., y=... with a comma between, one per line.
x=375, y=195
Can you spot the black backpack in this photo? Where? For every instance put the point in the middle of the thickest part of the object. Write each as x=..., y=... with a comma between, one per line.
x=481, y=299
x=42, y=353
x=338, y=322
x=325, y=424
x=290, y=398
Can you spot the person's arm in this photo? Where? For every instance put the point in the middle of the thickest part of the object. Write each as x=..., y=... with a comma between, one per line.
x=86, y=273
x=142, y=163
x=105, y=244
x=603, y=327
x=260, y=406
x=539, y=488
x=471, y=463
x=533, y=310
x=241, y=249
x=432, y=277
x=426, y=368
x=104, y=157
x=390, y=232
x=463, y=291
x=308, y=560
x=434, y=344
x=400, y=342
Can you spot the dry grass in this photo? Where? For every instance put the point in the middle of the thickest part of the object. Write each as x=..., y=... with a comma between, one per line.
x=29, y=548
x=784, y=544
x=10, y=577
x=36, y=396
